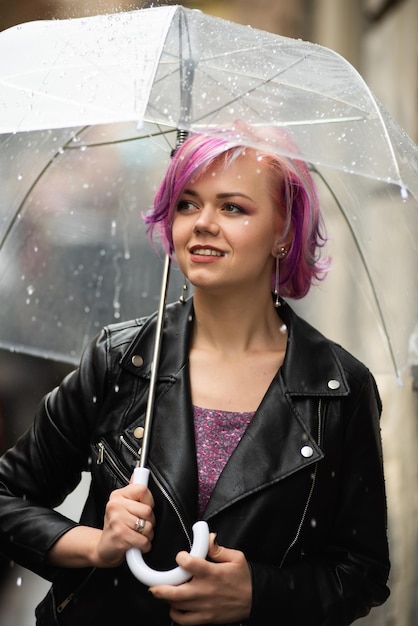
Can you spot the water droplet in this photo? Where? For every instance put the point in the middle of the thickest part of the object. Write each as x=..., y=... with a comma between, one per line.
x=30, y=289
x=116, y=388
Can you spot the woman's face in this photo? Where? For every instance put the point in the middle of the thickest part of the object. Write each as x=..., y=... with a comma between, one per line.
x=226, y=226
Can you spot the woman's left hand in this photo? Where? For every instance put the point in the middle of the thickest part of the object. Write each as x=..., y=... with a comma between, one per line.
x=218, y=593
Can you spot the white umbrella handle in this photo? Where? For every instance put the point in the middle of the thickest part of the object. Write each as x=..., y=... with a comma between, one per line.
x=175, y=576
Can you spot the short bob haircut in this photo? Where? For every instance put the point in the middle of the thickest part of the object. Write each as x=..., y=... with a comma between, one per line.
x=294, y=191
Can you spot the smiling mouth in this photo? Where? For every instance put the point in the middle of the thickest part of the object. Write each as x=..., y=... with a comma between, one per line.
x=207, y=252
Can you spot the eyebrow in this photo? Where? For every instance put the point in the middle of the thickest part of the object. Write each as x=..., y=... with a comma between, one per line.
x=220, y=196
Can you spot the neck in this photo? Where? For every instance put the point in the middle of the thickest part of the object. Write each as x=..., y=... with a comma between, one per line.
x=235, y=325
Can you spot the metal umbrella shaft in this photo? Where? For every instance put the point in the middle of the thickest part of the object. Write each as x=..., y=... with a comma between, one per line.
x=200, y=544
x=155, y=362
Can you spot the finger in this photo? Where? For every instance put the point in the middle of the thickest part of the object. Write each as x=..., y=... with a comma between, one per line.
x=138, y=492
x=220, y=554
x=142, y=534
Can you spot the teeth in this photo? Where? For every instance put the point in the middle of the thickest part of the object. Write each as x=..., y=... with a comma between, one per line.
x=207, y=252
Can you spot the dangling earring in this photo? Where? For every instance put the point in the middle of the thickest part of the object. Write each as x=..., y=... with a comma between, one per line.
x=183, y=296
x=280, y=255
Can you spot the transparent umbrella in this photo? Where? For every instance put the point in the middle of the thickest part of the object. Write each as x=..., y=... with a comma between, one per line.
x=76, y=95
x=90, y=110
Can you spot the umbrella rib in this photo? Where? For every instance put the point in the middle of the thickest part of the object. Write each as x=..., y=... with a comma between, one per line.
x=261, y=83
x=66, y=146
x=241, y=95
x=363, y=261
x=186, y=70
x=98, y=144
x=32, y=186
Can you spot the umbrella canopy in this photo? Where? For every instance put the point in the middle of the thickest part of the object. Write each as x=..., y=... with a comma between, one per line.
x=74, y=89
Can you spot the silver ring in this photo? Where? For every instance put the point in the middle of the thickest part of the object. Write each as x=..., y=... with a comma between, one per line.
x=139, y=525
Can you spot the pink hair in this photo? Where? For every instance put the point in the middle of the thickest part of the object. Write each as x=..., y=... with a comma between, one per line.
x=294, y=190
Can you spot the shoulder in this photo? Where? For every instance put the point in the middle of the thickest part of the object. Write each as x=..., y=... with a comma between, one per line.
x=123, y=333
x=118, y=338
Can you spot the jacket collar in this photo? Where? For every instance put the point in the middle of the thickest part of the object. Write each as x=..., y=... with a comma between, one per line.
x=311, y=366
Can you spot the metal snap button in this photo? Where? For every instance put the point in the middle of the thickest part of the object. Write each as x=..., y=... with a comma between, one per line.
x=306, y=451
x=138, y=432
x=334, y=384
x=137, y=360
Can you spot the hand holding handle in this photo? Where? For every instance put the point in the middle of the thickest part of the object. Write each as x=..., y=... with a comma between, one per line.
x=175, y=576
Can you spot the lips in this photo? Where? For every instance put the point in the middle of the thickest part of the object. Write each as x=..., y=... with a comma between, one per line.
x=203, y=251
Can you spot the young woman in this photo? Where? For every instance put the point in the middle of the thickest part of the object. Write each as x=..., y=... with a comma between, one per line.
x=262, y=427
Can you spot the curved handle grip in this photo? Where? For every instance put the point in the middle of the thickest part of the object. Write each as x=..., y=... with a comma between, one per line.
x=178, y=575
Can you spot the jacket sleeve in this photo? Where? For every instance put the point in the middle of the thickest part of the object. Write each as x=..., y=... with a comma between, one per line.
x=46, y=463
x=340, y=580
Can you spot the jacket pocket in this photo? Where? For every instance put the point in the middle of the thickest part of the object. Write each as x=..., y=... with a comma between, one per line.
x=52, y=610
x=106, y=456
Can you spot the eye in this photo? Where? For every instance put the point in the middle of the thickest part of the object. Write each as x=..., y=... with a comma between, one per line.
x=185, y=205
x=230, y=207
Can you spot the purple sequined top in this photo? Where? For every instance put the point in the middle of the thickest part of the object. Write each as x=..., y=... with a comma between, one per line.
x=217, y=434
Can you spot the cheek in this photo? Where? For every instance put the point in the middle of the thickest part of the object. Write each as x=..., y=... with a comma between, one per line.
x=180, y=236
x=256, y=236
x=177, y=232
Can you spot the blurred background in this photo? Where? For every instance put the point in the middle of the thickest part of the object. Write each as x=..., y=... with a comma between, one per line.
x=379, y=38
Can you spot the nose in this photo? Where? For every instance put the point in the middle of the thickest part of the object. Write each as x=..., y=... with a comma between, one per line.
x=206, y=221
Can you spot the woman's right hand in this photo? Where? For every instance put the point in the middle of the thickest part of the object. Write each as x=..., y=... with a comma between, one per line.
x=125, y=506
x=84, y=546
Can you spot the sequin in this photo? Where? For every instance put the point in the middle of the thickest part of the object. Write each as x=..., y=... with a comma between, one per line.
x=217, y=434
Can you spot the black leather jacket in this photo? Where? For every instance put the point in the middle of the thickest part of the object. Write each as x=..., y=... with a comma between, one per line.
x=302, y=495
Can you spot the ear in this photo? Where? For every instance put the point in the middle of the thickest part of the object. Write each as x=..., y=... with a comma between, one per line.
x=280, y=249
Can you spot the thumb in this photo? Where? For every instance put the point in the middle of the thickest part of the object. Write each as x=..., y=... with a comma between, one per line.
x=217, y=553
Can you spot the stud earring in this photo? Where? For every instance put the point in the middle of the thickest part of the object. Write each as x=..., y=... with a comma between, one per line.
x=280, y=255
x=183, y=296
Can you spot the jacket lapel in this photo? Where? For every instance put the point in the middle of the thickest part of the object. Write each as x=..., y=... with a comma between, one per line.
x=275, y=443
x=172, y=452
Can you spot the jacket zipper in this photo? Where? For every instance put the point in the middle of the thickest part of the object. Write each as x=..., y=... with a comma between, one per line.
x=167, y=496
x=305, y=510
x=103, y=453
x=71, y=596
x=64, y=603
x=136, y=453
